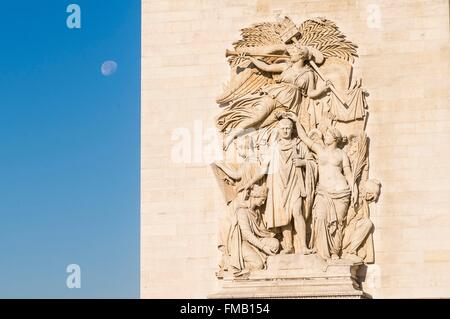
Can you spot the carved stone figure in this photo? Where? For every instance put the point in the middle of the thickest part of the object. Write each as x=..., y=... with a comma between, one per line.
x=232, y=181
x=296, y=81
x=285, y=76
x=297, y=117
x=250, y=242
x=357, y=243
x=291, y=174
x=334, y=191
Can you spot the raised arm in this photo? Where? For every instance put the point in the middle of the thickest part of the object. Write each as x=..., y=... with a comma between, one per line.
x=272, y=68
x=313, y=146
x=313, y=91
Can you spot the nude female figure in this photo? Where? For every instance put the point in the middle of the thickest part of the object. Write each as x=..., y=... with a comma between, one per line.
x=333, y=193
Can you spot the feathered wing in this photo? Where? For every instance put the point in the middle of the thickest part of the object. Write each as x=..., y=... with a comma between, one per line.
x=320, y=33
x=324, y=35
x=246, y=79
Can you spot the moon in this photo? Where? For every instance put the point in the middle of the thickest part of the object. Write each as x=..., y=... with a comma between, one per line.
x=109, y=68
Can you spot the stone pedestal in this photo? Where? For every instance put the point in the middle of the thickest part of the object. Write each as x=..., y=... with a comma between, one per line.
x=296, y=276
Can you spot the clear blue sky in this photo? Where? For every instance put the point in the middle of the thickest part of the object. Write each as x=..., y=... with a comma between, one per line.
x=69, y=149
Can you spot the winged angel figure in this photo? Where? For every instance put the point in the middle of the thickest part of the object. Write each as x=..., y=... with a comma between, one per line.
x=275, y=67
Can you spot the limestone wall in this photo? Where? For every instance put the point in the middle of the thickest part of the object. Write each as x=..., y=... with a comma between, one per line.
x=404, y=54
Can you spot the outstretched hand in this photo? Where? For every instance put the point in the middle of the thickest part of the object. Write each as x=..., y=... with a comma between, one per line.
x=292, y=116
x=326, y=88
x=242, y=56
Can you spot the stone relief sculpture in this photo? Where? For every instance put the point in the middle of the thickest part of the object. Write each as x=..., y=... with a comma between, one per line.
x=296, y=118
x=250, y=242
x=333, y=195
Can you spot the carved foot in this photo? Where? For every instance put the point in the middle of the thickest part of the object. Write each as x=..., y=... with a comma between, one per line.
x=334, y=257
x=306, y=251
x=286, y=251
x=220, y=274
x=244, y=273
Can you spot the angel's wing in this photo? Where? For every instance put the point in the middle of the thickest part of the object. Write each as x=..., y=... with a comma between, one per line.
x=324, y=35
x=246, y=79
